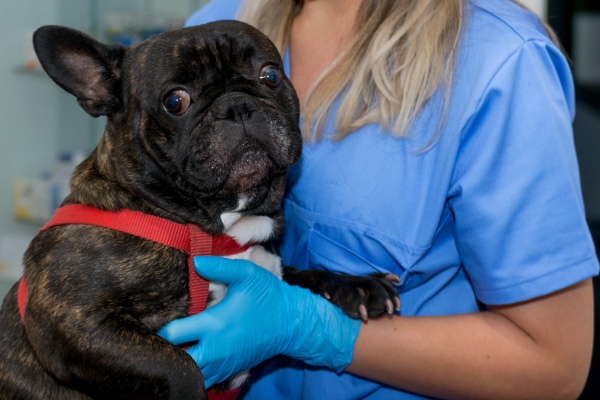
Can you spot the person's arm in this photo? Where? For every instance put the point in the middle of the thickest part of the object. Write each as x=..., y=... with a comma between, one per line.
x=539, y=349
x=536, y=349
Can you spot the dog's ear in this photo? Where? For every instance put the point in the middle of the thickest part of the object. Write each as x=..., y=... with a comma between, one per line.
x=81, y=65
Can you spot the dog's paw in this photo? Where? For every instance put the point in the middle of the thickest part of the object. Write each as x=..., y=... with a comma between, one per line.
x=363, y=296
x=358, y=296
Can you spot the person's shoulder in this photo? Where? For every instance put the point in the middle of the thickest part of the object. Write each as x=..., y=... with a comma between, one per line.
x=503, y=22
x=213, y=11
x=497, y=31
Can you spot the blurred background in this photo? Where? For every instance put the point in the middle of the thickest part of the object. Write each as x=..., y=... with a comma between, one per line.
x=44, y=133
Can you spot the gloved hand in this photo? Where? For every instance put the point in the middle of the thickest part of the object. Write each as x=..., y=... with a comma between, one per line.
x=261, y=317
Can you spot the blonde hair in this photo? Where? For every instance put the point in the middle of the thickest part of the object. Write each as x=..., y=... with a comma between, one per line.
x=403, y=52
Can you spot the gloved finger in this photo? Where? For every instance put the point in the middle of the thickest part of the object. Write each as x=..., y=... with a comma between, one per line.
x=224, y=270
x=188, y=329
x=210, y=379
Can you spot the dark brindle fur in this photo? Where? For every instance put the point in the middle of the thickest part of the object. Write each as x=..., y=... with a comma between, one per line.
x=96, y=296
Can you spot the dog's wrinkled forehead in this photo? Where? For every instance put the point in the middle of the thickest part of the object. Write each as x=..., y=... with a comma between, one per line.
x=220, y=49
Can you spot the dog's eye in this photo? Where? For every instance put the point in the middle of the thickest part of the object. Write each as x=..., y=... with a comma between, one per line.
x=177, y=102
x=270, y=76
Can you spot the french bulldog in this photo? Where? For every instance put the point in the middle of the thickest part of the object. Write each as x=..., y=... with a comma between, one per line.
x=202, y=125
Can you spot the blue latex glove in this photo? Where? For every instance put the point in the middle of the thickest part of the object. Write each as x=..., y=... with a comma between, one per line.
x=261, y=317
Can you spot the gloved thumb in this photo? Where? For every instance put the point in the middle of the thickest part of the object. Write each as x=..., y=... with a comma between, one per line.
x=223, y=270
x=183, y=330
x=187, y=329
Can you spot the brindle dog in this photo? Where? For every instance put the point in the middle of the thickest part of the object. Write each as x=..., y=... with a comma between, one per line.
x=202, y=125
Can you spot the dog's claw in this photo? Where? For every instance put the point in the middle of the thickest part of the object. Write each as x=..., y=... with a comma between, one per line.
x=364, y=315
x=327, y=295
x=389, y=307
x=393, y=278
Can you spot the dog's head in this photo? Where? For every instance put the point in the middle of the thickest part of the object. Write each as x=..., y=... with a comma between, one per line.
x=200, y=121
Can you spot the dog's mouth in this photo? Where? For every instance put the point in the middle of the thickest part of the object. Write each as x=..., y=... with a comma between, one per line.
x=249, y=171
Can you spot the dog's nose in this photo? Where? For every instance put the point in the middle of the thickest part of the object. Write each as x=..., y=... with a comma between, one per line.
x=236, y=107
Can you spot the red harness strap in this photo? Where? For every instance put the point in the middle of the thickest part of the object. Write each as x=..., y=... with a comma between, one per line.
x=188, y=238
x=230, y=394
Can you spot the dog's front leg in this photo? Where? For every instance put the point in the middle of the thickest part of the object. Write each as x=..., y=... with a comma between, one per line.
x=358, y=296
x=91, y=316
x=118, y=357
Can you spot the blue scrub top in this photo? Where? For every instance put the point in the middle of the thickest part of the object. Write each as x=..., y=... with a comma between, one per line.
x=491, y=213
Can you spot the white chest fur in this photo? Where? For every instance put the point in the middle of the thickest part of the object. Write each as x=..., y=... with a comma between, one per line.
x=248, y=229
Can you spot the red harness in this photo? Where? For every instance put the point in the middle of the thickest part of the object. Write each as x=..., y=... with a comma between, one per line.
x=188, y=238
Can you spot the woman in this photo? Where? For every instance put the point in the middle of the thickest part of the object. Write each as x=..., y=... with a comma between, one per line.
x=438, y=148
